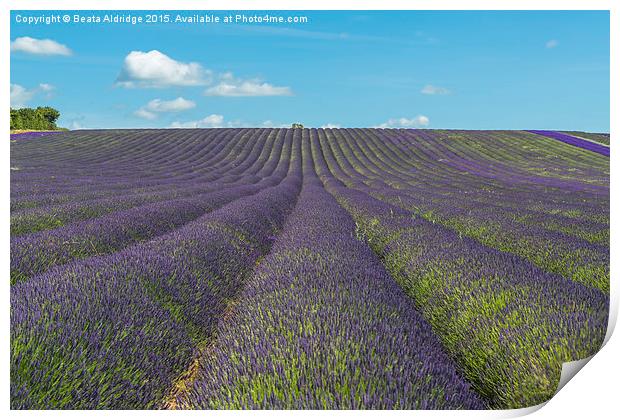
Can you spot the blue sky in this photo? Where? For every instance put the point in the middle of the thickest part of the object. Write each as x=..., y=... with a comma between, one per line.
x=471, y=70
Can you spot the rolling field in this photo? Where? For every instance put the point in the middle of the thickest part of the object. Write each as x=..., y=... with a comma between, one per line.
x=304, y=268
x=602, y=138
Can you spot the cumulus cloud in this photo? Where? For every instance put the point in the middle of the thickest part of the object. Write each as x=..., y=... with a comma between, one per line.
x=210, y=121
x=156, y=106
x=218, y=121
x=146, y=114
x=175, y=105
x=330, y=125
x=20, y=95
x=552, y=43
x=434, y=90
x=154, y=69
x=229, y=85
x=418, y=121
x=36, y=46
x=271, y=124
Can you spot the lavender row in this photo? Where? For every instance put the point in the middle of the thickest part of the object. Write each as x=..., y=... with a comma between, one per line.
x=505, y=205
x=574, y=141
x=32, y=134
x=64, y=180
x=54, y=216
x=35, y=253
x=48, y=217
x=508, y=324
x=76, y=176
x=603, y=138
x=555, y=251
x=321, y=325
x=133, y=185
x=115, y=331
x=490, y=167
x=483, y=185
x=561, y=251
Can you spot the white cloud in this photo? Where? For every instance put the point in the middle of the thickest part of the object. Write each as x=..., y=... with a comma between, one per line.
x=175, y=105
x=552, y=43
x=39, y=46
x=155, y=69
x=231, y=86
x=210, y=121
x=330, y=125
x=271, y=124
x=20, y=95
x=46, y=87
x=434, y=90
x=151, y=109
x=143, y=113
x=248, y=88
x=419, y=121
x=47, y=90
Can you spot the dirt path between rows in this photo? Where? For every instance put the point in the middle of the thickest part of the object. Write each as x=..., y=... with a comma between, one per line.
x=184, y=382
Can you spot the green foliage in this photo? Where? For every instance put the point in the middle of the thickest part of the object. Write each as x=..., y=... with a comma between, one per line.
x=297, y=125
x=41, y=118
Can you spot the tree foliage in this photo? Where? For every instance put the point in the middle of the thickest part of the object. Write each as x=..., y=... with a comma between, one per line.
x=40, y=118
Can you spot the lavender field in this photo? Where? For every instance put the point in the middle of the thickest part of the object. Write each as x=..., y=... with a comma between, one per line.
x=304, y=268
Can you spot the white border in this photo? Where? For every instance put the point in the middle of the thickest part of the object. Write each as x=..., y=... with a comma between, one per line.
x=593, y=393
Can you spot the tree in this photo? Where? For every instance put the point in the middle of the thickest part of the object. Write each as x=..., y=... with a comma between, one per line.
x=16, y=120
x=297, y=125
x=49, y=114
x=41, y=118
